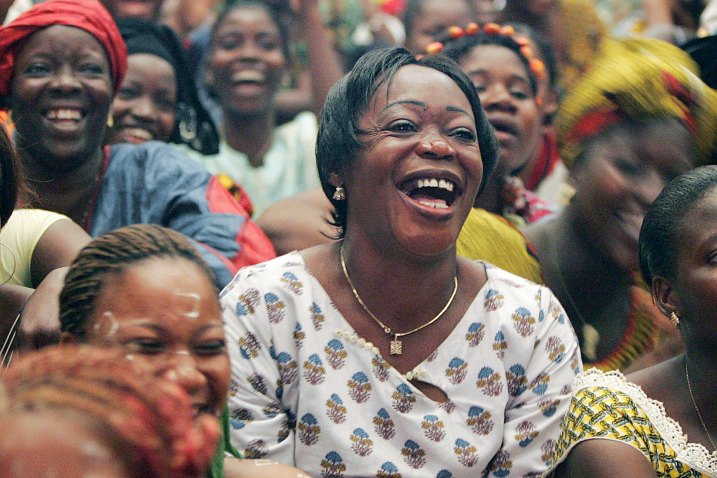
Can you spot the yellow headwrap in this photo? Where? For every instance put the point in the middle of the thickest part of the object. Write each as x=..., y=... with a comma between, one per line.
x=637, y=79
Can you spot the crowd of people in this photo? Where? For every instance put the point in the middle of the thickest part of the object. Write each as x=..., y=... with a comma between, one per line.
x=330, y=238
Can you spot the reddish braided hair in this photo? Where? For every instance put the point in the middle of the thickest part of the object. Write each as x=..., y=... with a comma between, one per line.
x=150, y=417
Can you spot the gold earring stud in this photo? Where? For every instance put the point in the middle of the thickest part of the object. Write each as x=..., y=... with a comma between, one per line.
x=339, y=194
x=674, y=319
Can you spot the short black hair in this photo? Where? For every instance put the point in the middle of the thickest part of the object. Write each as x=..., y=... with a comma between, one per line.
x=338, y=140
x=660, y=234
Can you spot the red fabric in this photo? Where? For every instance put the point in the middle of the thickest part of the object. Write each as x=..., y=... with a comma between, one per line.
x=88, y=15
x=594, y=122
x=254, y=246
x=546, y=162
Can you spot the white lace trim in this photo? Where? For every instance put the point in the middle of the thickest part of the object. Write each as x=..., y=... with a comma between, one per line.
x=693, y=454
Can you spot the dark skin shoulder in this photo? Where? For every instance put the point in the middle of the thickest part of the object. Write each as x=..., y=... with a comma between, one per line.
x=600, y=458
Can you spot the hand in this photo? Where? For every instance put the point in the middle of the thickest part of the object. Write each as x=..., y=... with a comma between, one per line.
x=512, y=194
x=40, y=318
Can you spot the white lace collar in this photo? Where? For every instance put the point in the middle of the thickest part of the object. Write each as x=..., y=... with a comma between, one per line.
x=692, y=454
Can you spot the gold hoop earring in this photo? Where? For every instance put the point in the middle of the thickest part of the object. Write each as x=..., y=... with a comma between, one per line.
x=674, y=319
x=339, y=194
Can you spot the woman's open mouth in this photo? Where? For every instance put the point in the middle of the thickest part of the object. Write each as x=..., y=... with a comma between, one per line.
x=431, y=192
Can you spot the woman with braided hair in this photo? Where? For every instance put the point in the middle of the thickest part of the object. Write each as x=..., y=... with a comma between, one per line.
x=146, y=290
x=73, y=412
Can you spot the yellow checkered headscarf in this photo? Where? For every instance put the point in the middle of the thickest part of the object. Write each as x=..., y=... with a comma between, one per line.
x=637, y=79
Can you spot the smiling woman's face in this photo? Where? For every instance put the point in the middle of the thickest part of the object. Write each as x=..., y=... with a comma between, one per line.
x=144, y=108
x=506, y=95
x=414, y=181
x=247, y=61
x=60, y=95
x=165, y=311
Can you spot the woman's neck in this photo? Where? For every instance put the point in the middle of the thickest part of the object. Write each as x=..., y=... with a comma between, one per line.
x=576, y=272
x=251, y=135
x=418, y=284
x=65, y=191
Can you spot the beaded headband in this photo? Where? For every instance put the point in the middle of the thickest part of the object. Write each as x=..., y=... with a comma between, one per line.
x=536, y=65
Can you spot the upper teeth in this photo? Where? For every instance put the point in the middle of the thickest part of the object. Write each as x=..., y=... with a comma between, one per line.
x=64, y=113
x=248, y=75
x=435, y=183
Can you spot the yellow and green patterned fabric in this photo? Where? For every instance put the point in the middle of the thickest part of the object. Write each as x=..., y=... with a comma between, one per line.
x=606, y=406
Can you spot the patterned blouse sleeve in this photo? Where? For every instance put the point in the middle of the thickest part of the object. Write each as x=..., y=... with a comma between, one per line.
x=260, y=424
x=540, y=391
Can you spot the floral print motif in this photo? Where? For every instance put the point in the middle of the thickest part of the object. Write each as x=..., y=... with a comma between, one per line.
x=316, y=316
x=467, y=454
x=380, y=368
x=361, y=444
x=413, y=454
x=275, y=308
x=493, y=300
x=240, y=417
x=433, y=428
x=384, y=425
x=307, y=389
x=475, y=334
x=457, y=370
x=247, y=301
x=333, y=466
x=523, y=321
x=291, y=283
x=308, y=430
x=359, y=388
x=403, y=399
x=479, y=420
x=287, y=368
x=249, y=346
x=335, y=409
x=314, y=371
x=335, y=354
x=517, y=382
x=388, y=470
x=555, y=349
x=489, y=382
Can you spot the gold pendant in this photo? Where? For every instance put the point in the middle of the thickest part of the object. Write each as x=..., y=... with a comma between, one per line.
x=591, y=338
x=396, y=347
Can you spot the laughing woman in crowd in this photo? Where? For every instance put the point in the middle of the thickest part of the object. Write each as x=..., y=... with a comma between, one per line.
x=145, y=290
x=157, y=100
x=662, y=421
x=640, y=118
x=246, y=65
x=385, y=353
x=61, y=64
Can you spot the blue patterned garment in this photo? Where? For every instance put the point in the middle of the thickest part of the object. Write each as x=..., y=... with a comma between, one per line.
x=307, y=391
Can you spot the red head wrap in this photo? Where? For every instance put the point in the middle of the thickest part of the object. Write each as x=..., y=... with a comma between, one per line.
x=89, y=15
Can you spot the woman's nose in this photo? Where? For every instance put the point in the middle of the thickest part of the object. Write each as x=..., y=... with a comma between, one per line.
x=496, y=96
x=144, y=108
x=647, y=188
x=182, y=367
x=65, y=80
x=436, y=148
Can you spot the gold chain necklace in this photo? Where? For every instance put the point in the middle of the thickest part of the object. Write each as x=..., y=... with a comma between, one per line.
x=694, y=403
x=396, y=345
